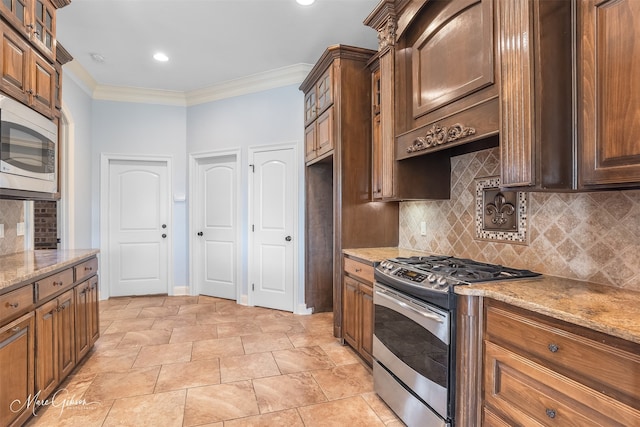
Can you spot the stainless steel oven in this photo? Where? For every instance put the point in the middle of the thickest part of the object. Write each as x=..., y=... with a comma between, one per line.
x=412, y=348
x=414, y=333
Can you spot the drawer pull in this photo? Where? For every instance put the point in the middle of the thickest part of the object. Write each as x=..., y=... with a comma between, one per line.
x=16, y=329
x=13, y=304
x=358, y=270
x=88, y=268
x=58, y=283
x=551, y=413
x=553, y=348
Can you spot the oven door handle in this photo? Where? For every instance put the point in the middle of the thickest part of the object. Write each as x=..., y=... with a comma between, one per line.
x=429, y=316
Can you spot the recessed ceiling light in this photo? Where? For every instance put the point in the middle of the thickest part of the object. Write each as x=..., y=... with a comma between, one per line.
x=97, y=57
x=305, y=2
x=161, y=57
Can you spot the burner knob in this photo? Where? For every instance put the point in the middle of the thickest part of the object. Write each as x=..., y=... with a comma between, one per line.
x=431, y=277
x=442, y=281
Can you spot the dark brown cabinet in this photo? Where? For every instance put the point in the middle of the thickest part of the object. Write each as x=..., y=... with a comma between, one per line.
x=608, y=96
x=17, y=373
x=537, y=141
x=339, y=212
x=358, y=307
x=87, y=325
x=541, y=371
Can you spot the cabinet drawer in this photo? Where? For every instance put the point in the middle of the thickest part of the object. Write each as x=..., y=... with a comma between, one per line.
x=86, y=269
x=54, y=283
x=530, y=394
x=598, y=365
x=358, y=269
x=15, y=302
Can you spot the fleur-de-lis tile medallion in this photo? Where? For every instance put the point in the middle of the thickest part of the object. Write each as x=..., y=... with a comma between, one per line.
x=500, y=215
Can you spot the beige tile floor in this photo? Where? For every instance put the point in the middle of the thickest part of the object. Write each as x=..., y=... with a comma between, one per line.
x=202, y=361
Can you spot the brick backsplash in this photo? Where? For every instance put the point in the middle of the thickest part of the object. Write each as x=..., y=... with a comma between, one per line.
x=591, y=236
x=11, y=213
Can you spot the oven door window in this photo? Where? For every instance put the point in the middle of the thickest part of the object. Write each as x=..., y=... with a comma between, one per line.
x=27, y=150
x=413, y=344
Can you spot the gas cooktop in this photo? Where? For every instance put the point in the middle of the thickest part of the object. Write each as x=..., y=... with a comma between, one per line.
x=423, y=276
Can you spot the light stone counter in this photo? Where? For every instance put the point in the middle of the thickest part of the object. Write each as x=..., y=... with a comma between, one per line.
x=23, y=266
x=607, y=309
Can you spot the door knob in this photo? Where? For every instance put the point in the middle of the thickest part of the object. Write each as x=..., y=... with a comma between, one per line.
x=164, y=225
x=288, y=238
x=200, y=233
x=164, y=236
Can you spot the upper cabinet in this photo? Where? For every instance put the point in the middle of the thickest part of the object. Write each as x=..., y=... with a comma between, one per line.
x=318, y=117
x=28, y=66
x=537, y=143
x=608, y=93
x=445, y=76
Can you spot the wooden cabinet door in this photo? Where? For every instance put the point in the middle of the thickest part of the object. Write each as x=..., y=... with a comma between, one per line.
x=44, y=27
x=17, y=373
x=324, y=90
x=608, y=96
x=43, y=85
x=310, y=142
x=310, y=107
x=376, y=138
x=15, y=67
x=93, y=319
x=17, y=12
x=66, y=334
x=366, y=318
x=350, y=313
x=82, y=302
x=47, y=363
x=324, y=133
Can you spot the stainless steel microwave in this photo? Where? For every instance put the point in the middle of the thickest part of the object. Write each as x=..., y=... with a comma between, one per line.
x=28, y=152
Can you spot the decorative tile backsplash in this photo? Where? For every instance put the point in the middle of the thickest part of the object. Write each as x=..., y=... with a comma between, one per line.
x=11, y=213
x=500, y=215
x=585, y=236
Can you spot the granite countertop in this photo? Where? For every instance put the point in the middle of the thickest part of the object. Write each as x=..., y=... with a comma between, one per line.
x=607, y=309
x=23, y=266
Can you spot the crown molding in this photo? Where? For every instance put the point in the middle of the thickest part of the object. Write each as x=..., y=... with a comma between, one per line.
x=285, y=76
x=290, y=75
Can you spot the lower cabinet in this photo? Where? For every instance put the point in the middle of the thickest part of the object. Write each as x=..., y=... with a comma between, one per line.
x=87, y=325
x=57, y=328
x=55, y=342
x=357, y=308
x=541, y=371
x=16, y=369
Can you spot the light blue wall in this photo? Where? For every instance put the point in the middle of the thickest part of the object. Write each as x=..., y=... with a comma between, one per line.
x=264, y=118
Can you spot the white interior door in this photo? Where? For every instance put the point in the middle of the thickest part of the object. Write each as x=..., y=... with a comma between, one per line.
x=138, y=215
x=216, y=227
x=273, y=229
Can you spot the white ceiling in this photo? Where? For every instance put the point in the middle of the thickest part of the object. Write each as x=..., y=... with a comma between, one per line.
x=209, y=42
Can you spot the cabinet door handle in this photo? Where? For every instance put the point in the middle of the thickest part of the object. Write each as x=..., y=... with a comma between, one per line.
x=553, y=348
x=16, y=329
x=551, y=413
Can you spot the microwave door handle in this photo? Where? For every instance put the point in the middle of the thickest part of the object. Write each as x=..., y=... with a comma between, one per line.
x=430, y=316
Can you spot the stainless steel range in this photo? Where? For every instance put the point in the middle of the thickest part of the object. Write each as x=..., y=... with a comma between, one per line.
x=414, y=332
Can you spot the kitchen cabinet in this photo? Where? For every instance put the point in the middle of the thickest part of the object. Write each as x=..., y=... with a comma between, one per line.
x=537, y=141
x=417, y=177
x=46, y=327
x=25, y=74
x=339, y=212
x=319, y=117
x=608, y=97
x=17, y=373
x=358, y=307
x=87, y=323
x=542, y=371
x=55, y=339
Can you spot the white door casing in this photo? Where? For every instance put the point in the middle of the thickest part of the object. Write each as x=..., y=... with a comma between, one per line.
x=214, y=210
x=136, y=248
x=273, y=224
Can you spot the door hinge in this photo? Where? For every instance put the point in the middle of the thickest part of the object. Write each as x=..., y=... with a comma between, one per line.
x=253, y=286
x=253, y=227
x=253, y=168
